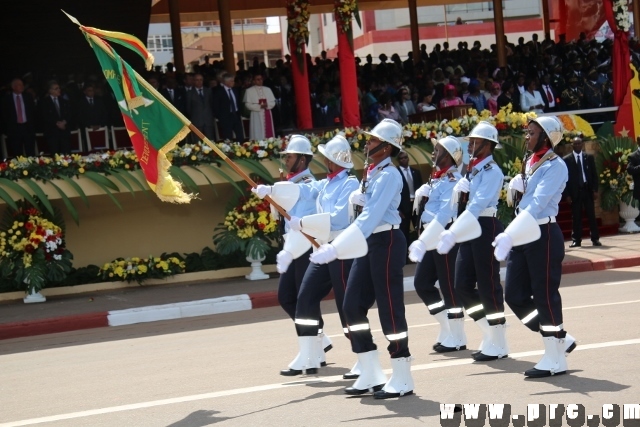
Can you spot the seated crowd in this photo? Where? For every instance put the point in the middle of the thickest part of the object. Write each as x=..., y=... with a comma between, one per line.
x=541, y=76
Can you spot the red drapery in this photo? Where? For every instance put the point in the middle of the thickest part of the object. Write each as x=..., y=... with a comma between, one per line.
x=301, y=87
x=348, y=80
x=620, y=56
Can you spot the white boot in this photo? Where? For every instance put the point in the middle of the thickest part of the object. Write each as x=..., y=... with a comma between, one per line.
x=354, y=373
x=497, y=347
x=324, y=345
x=569, y=344
x=371, y=376
x=456, y=340
x=401, y=382
x=307, y=359
x=442, y=318
x=485, y=344
x=554, y=360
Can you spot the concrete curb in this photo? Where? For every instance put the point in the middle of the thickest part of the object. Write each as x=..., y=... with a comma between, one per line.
x=224, y=305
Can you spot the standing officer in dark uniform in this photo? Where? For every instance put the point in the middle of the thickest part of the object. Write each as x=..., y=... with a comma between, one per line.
x=581, y=191
x=475, y=229
x=572, y=98
x=379, y=249
x=439, y=214
x=534, y=246
x=411, y=181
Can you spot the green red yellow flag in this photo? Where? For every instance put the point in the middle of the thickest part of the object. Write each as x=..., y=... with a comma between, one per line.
x=153, y=124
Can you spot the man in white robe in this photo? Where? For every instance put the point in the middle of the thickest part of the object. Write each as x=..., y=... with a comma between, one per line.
x=260, y=100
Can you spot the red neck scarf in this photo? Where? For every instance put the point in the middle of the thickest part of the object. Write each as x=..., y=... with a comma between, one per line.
x=371, y=167
x=292, y=174
x=538, y=155
x=438, y=173
x=475, y=161
x=332, y=175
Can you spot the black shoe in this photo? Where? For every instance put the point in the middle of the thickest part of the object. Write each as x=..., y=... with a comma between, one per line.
x=539, y=373
x=350, y=376
x=435, y=345
x=323, y=363
x=575, y=244
x=386, y=395
x=481, y=357
x=357, y=391
x=571, y=348
x=597, y=243
x=294, y=372
x=327, y=348
x=442, y=349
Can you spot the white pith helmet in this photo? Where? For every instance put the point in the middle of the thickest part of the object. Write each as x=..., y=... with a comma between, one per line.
x=485, y=130
x=388, y=130
x=552, y=127
x=337, y=151
x=453, y=147
x=298, y=144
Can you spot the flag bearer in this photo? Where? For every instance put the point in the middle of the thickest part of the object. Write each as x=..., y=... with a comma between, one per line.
x=437, y=216
x=379, y=248
x=533, y=246
x=475, y=229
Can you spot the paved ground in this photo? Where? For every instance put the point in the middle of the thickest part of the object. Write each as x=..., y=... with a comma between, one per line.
x=91, y=310
x=223, y=369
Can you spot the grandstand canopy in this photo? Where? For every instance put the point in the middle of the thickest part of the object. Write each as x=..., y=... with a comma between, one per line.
x=207, y=10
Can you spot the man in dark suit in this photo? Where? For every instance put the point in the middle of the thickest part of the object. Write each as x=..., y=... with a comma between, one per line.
x=548, y=93
x=176, y=95
x=581, y=191
x=92, y=112
x=226, y=107
x=633, y=169
x=325, y=115
x=18, y=117
x=56, y=120
x=200, y=108
x=411, y=181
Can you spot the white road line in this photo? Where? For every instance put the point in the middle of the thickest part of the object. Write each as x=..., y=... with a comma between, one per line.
x=268, y=387
x=624, y=282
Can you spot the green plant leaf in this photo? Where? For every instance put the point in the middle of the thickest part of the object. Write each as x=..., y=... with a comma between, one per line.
x=205, y=177
x=226, y=176
x=426, y=154
x=124, y=182
x=257, y=248
x=76, y=187
x=101, y=180
x=67, y=202
x=39, y=194
x=184, y=178
x=16, y=188
x=257, y=168
x=8, y=200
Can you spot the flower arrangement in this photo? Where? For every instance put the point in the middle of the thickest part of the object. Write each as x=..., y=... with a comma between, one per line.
x=345, y=10
x=621, y=14
x=611, y=163
x=575, y=126
x=298, y=26
x=33, y=248
x=139, y=269
x=249, y=226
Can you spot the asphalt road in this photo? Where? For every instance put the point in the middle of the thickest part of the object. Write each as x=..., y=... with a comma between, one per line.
x=223, y=369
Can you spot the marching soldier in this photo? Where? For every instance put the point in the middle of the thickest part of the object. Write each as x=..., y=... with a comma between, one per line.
x=319, y=279
x=437, y=216
x=573, y=96
x=298, y=155
x=475, y=229
x=534, y=247
x=379, y=248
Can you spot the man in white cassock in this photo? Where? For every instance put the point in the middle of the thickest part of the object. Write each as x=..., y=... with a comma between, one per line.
x=260, y=100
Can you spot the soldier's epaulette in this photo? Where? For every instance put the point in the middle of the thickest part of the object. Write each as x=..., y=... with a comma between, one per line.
x=306, y=179
x=555, y=156
x=451, y=176
x=488, y=166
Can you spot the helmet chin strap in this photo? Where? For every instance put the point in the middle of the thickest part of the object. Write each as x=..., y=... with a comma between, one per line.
x=383, y=144
x=539, y=144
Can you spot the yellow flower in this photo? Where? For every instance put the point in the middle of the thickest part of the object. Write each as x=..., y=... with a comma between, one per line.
x=81, y=170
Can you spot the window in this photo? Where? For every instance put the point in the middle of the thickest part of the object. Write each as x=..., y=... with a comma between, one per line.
x=160, y=43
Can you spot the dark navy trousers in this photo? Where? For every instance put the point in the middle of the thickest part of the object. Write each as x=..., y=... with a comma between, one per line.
x=435, y=267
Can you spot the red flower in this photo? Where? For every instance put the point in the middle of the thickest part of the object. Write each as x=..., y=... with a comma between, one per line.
x=240, y=223
x=261, y=226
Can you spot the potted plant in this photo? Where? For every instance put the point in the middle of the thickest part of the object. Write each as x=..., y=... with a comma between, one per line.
x=615, y=183
x=33, y=249
x=250, y=227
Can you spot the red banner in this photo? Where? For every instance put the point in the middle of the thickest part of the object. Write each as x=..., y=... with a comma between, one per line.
x=301, y=87
x=348, y=81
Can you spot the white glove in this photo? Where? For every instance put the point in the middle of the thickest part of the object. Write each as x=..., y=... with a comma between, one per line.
x=357, y=198
x=421, y=192
x=417, y=250
x=462, y=186
x=447, y=241
x=295, y=223
x=503, y=245
x=517, y=183
x=283, y=260
x=261, y=190
x=324, y=255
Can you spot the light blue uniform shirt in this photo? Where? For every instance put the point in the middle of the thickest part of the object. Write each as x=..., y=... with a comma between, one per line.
x=439, y=205
x=485, y=186
x=382, y=198
x=305, y=205
x=543, y=190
